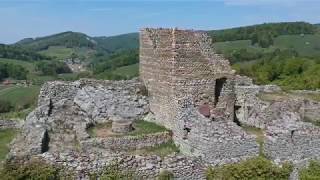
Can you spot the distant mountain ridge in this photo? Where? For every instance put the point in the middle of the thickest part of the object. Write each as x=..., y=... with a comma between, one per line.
x=71, y=39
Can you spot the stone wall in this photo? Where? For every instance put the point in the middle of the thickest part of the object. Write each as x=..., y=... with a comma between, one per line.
x=178, y=64
x=66, y=109
x=126, y=143
x=145, y=167
x=218, y=142
x=191, y=90
x=294, y=142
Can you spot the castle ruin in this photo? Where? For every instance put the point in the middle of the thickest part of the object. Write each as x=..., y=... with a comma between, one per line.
x=186, y=87
x=191, y=90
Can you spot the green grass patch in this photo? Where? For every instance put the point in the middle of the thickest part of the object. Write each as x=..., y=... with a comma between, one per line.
x=144, y=127
x=59, y=52
x=252, y=169
x=140, y=128
x=6, y=136
x=312, y=172
x=20, y=97
x=275, y=96
x=305, y=45
x=21, y=115
x=28, y=65
x=127, y=71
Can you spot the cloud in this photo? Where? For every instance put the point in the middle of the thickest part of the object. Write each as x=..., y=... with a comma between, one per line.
x=263, y=2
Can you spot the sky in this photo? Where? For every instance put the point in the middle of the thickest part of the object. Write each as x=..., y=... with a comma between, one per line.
x=35, y=18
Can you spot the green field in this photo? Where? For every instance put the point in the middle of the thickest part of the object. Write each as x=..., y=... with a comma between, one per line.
x=28, y=65
x=129, y=71
x=20, y=97
x=60, y=52
x=6, y=136
x=305, y=45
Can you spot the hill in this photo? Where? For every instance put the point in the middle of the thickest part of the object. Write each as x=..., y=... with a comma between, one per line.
x=263, y=34
x=118, y=43
x=68, y=39
x=78, y=45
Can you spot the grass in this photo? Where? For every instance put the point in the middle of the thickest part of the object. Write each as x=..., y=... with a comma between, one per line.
x=6, y=136
x=161, y=150
x=60, y=52
x=258, y=133
x=22, y=114
x=306, y=45
x=19, y=96
x=276, y=96
x=315, y=122
x=28, y=65
x=140, y=128
x=128, y=71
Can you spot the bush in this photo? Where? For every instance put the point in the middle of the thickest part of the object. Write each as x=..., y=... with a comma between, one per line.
x=165, y=175
x=5, y=106
x=34, y=169
x=113, y=172
x=312, y=172
x=256, y=168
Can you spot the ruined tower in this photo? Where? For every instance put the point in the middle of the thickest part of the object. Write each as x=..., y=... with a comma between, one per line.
x=191, y=90
x=177, y=65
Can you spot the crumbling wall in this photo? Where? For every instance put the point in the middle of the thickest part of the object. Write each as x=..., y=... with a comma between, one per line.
x=217, y=142
x=294, y=142
x=125, y=143
x=177, y=64
x=60, y=121
x=184, y=75
x=143, y=167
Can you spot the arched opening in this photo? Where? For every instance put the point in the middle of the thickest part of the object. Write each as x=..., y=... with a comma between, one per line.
x=218, y=89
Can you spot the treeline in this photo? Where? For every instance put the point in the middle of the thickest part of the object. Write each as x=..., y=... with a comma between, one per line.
x=52, y=67
x=15, y=52
x=67, y=39
x=8, y=70
x=103, y=63
x=285, y=69
x=263, y=34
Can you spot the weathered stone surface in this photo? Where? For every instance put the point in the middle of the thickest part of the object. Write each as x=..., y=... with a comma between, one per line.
x=144, y=167
x=192, y=93
x=66, y=110
x=125, y=143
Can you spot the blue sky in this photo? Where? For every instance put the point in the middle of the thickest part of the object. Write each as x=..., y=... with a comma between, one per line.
x=34, y=18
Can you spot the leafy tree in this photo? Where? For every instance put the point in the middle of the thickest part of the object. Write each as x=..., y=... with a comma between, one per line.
x=52, y=67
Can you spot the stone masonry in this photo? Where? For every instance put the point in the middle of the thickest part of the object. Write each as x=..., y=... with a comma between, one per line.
x=186, y=87
x=191, y=90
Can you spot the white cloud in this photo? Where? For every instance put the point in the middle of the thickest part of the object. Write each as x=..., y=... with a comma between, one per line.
x=265, y=2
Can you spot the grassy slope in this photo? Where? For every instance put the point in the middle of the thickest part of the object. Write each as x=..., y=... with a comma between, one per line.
x=308, y=45
x=6, y=136
x=28, y=65
x=60, y=52
x=129, y=71
x=20, y=96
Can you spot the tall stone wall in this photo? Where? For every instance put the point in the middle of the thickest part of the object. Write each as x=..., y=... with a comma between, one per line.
x=176, y=65
x=191, y=90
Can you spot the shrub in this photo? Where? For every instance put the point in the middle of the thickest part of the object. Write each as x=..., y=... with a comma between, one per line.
x=34, y=169
x=113, y=172
x=256, y=168
x=165, y=175
x=5, y=106
x=312, y=172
